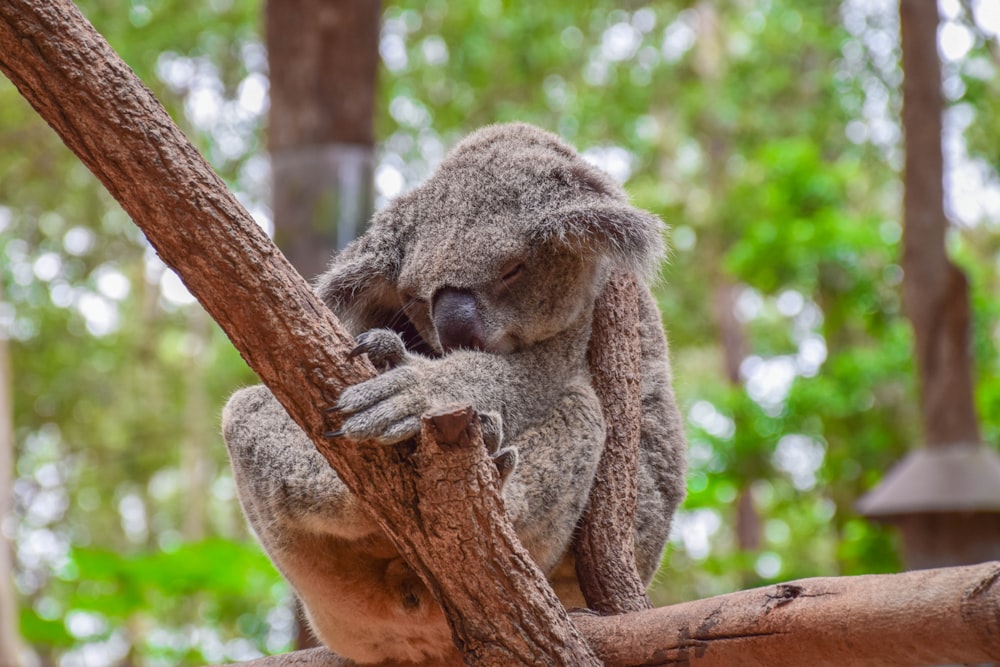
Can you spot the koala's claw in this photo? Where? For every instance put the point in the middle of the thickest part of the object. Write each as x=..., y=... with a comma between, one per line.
x=384, y=348
x=506, y=461
x=333, y=434
x=492, y=426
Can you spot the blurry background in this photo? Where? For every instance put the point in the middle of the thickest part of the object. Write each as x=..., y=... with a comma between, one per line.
x=767, y=134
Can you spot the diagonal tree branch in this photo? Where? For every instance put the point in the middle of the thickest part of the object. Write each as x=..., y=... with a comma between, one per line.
x=104, y=114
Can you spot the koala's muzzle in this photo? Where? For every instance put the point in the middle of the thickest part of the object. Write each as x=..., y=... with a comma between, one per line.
x=456, y=319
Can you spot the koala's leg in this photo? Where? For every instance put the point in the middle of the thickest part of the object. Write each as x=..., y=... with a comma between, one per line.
x=362, y=600
x=283, y=482
x=557, y=459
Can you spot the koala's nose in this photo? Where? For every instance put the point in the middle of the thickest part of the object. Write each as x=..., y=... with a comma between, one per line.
x=457, y=320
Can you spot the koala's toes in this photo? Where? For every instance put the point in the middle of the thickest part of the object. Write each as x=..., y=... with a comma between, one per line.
x=506, y=461
x=384, y=348
x=492, y=425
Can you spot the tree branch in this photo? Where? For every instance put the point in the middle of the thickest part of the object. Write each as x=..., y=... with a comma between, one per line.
x=118, y=129
x=604, y=545
x=926, y=617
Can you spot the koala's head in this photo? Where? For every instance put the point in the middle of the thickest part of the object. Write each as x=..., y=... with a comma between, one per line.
x=504, y=246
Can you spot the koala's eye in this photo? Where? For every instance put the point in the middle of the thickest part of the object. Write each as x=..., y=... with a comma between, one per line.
x=511, y=273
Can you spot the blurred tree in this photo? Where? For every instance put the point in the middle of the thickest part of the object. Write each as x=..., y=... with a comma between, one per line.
x=9, y=640
x=945, y=498
x=322, y=58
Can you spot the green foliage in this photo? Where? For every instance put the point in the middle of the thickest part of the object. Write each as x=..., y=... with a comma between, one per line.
x=225, y=585
x=731, y=120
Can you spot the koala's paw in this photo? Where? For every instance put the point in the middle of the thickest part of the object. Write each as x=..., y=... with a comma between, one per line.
x=505, y=458
x=386, y=408
x=384, y=348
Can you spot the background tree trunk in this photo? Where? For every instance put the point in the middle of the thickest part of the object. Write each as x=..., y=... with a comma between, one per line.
x=935, y=291
x=322, y=57
x=945, y=498
x=8, y=594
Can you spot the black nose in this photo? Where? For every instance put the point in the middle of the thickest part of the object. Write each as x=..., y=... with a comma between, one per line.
x=457, y=320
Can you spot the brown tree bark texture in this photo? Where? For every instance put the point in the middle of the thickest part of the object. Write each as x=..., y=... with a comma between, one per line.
x=935, y=291
x=604, y=545
x=924, y=617
x=114, y=124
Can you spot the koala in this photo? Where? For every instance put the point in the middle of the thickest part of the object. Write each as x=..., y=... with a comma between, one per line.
x=476, y=287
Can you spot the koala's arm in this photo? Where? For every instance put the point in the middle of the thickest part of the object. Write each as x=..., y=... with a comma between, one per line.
x=521, y=387
x=284, y=483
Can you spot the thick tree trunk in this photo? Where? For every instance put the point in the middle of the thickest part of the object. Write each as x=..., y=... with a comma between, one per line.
x=501, y=610
x=322, y=57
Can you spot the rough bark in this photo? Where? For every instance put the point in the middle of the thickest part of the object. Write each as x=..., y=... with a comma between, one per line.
x=916, y=618
x=604, y=545
x=322, y=57
x=117, y=128
x=929, y=617
x=935, y=291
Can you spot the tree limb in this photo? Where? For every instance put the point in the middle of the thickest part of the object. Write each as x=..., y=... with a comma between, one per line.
x=105, y=115
x=926, y=617
x=604, y=544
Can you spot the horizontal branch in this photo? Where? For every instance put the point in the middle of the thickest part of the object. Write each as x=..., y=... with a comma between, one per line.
x=926, y=617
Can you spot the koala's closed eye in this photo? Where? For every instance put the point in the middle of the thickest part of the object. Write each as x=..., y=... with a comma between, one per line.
x=511, y=272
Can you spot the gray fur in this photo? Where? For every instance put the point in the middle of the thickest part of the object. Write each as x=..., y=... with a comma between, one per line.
x=507, y=196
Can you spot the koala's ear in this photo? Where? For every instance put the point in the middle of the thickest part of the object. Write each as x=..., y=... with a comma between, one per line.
x=360, y=286
x=631, y=238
